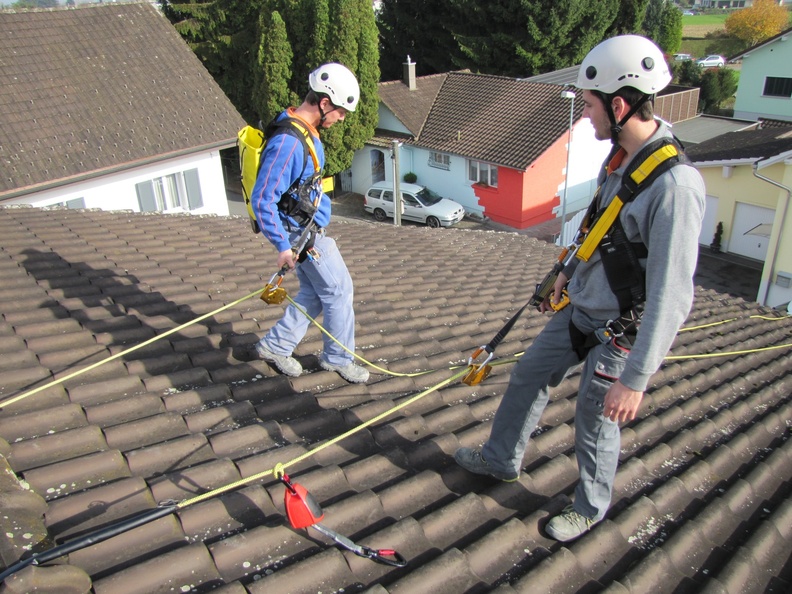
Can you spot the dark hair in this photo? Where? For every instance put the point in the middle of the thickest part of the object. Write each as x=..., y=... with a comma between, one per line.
x=314, y=98
x=632, y=96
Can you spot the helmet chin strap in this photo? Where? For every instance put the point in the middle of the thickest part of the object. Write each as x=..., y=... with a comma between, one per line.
x=616, y=127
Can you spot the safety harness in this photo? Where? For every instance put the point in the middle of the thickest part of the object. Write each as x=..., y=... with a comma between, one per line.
x=620, y=257
x=602, y=230
x=296, y=203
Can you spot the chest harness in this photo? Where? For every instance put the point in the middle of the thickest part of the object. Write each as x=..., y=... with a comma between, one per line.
x=602, y=230
x=621, y=258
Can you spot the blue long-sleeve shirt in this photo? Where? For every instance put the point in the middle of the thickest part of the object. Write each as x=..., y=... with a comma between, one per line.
x=281, y=165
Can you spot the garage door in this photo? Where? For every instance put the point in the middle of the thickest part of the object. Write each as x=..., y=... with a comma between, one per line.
x=751, y=233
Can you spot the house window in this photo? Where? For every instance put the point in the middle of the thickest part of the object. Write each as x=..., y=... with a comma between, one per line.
x=777, y=86
x=483, y=173
x=73, y=203
x=171, y=193
x=440, y=160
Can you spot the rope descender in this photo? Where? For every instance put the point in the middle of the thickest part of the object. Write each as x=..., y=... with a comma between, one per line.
x=273, y=293
x=304, y=511
x=479, y=371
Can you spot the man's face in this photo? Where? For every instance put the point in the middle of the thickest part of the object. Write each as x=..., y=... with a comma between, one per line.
x=332, y=113
x=594, y=110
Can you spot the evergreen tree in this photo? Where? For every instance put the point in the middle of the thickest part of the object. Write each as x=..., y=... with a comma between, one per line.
x=560, y=35
x=419, y=29
x=669, y=37
x=271, y=93
x=261, y=51
x=505, y=37
x=629, y=17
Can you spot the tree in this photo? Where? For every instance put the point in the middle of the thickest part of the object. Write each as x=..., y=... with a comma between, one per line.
x=669, y=37
x=520, y=37
x=417, y=28
x=663, y=24
x=272, y=74
x=717, y=85
x=260, y=52
x=628, y=17
x=757, y=23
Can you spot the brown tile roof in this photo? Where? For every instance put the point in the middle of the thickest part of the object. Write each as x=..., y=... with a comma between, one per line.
x=499, y=120
x=411, y=107
x=97, y=89
x=744, y=144
x=703, y=495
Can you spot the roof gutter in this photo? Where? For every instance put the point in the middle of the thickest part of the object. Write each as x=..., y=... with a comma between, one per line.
x=764, y=284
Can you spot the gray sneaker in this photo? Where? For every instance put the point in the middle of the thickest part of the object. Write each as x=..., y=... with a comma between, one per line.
x=287, y=365
x=473, y=461
x=352, y=373
x=568, y=525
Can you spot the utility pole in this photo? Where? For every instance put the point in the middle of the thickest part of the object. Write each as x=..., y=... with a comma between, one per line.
x=397, y=202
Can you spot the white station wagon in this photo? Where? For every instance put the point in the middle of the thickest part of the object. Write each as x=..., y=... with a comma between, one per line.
x=419, y=204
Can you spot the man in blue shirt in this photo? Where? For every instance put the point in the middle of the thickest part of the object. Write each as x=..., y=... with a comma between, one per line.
x=287, y=198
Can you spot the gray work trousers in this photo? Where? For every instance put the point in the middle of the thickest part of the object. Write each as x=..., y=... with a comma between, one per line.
x=597, y=439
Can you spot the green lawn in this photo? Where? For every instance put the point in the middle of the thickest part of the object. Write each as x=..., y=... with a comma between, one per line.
x=708, y=20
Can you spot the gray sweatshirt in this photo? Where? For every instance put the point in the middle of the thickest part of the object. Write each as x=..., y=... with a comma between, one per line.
x=666, y=217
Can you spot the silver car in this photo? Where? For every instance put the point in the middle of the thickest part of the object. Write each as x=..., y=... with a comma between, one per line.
x=419, y=204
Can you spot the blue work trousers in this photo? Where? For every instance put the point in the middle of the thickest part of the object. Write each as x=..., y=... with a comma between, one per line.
x=597, y=439
x=325, y=287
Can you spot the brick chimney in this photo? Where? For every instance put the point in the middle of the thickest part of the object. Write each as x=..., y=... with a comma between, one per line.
x=409, y=74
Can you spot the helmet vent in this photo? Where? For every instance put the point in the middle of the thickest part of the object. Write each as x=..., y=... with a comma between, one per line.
x=647, y=63
x=591, y=72
x=325, y=76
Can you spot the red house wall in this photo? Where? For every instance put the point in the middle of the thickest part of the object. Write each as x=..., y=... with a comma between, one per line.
x=526, y=198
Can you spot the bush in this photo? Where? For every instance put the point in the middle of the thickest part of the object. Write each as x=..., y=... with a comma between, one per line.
x=410, y=177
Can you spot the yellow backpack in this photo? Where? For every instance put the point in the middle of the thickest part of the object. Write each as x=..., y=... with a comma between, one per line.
x=251, y=142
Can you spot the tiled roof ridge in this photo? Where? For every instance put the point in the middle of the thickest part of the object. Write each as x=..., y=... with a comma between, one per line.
x=704, y=483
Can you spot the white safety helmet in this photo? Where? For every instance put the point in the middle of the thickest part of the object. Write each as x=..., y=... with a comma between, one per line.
x=338, y=83
x=624, y=61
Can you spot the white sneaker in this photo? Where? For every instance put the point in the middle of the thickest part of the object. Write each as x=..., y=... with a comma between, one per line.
x=286, y=365
x=352, y=373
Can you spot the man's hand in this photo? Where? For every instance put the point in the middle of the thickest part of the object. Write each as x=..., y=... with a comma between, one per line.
x=287, y=258
x=621, y=403
x=558, y=287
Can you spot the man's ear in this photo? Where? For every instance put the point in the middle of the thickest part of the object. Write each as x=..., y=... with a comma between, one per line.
x=620, y=107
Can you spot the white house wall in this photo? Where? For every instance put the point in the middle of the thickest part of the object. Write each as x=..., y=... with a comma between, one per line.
x=585, y=160
x=451, y=183
x=116, y=191
x=388, y=121
x=772, y=59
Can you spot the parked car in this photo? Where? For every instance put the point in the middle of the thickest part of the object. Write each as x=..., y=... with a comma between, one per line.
x=689, y=13
x=713, y=61
x=419, y=204
x=682, y=57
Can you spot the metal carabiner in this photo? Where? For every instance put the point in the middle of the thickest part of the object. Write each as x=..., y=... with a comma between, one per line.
x=273, y=293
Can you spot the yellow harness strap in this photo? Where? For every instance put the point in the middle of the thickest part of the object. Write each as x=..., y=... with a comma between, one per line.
x=606, y=220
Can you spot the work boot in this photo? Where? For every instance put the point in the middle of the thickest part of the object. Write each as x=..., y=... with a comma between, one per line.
x=473, y=461
x=568, y=525
x=286, y=365
x=354, y=374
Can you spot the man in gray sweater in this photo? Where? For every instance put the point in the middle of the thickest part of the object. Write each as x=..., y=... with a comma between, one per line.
x=620, y=341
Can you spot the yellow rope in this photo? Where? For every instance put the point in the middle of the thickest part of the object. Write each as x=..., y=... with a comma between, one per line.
x=758, y=317
x=355, y=355
x=11, y=401
x=280, y=467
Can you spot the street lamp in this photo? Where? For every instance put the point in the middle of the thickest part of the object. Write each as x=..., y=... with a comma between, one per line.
x=567, y=95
